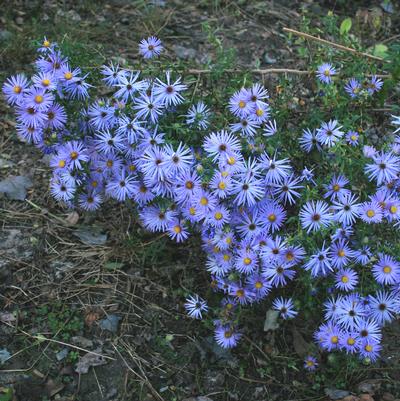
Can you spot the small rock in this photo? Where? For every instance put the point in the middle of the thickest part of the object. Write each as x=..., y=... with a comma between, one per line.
x=91, y=235
x=387, y=397
x=269, y=59
x=271, y=320
x=82, y=341
x=366, y=397
x=15, y=187
x=369, y=386
x=62, y=354
x=336, y=394
x=184, y=52
x=5, y=35
x=110, y=323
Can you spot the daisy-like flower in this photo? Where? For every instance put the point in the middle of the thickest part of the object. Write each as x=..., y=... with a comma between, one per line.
x=260, y=285
x=150, y=47
x=329, y=336
x=315, y=215
x=350, y=342
x=396, y=123
x=310, y=363
x=226, y=335
x=112, y=74
x=128, y=86
x=56, y=116
x=273, y=216
x=350, y=311
x=340, y=253
x=276, y=170
x=78, y=88
x=374, y=85
x=325, y=73
x=353, y=87
x=169, y=93
x=90, y=201
x=320, y=263
x=363, y=255
x=148, y=107
x=76, y=153
x=352, y=138
x=386, y=270
x=369, y=151
x=195, y=306
x=240, y=104
x=370, y=350
x=383, y=307
x=221, y=143
x=270, y=128
x=30, y=116
x=385, y=168
x=371, y=212
x=14, y=89
x=335, y=188
x=121, y=186
x=308, y=141
x=177, y=230
x=247, y=191
x=45, y=80
x=177, y=161
x=329, y=133
x=346, y=279
x=346, y=209
x=198, y=116
x=278, y=272
x=285, y=307
x=38, y=98
x=247, y=126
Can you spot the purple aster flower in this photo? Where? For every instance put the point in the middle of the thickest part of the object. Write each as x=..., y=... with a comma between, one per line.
x=371, y=212
x=177, y=161
x=240, y=104
x=369, y=151
x=195, y=306
x=150, y=47
x=257, y=93
x=329, y=133
x=315, y=215
x=368, y=330
x=335, y=188
x=329, y=336
x=198, y=116
x=61, y=190
x=353, y=87
x=278, y=272
x=286, y=191
x=38, y=98
x=90, y=201
x=242, y=294
x=293, y=254
x=340, y=253
x=350, y=342
x=320, y=264
x=310, y=363
x=325, y=73
x=363, y=255
x=30, y=116
x=227, y=335
x=148, y=107
x=308, y=175
x=78, y=88
x=221, y=143
x=350, y=311
x=250, y=225
x=385, y=168
x=383, y=307
x=128, y=86
x=46, y=46
x=107, y=143
x=374, y=85
x=14, y=89
x=121, y=186
x=29, y=134
x=56, y=116
x=156, y=218
x=45, y=80
x=346, y=209
x=308, y=141
x=218, y=217
x=276, y=170
x=221, y=184
x=270, y=128
x=112, y=74
x=75, y=152
x=247, y=126
x=386, y=270
x=169, y=93
x=330, y=308
x=247, y=191
x=370, y=350
x=273, y=216
x=262, y=114
x=260, y=286
x=285, y=307
x=53, y=63
x=246, y=261
x=177, y=230
x=352, y=138
x=346, y=279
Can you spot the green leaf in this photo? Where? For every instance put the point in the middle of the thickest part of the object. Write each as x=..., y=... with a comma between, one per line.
x=380, y=50
x=345, y=26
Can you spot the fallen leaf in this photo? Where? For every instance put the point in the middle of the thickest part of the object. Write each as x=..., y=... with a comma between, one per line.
x=53, y=388
x=15, y=187
x=72, y=218
x=91, y=317
x=89, y=360
x=271, y=320
x=336, y=394
x=7, y=317
x=91, y=235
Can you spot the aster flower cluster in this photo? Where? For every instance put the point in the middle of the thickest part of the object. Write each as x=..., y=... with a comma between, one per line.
x=240, y=199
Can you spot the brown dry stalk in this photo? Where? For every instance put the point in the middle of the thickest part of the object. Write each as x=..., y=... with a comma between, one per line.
x=333, y=44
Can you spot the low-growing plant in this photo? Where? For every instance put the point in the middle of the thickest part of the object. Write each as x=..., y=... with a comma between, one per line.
x=311, y=211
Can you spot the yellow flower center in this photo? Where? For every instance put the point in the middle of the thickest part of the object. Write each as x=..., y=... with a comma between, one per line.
x=216, y=249
x=368, y=348
x=46, y=82
x=189, y=185
x=226, y=257
x=242, y=104
x=327, y=73
x=228, y=240
x=68, y=75
x=221, y=185
x=218, y=216
x=289, y=256
x=246, y=261
x=231, y=161
x=17, y=89
x=228, y=334
x=370, y=213
x=192, y=211
x=224, y=174
x=74, y=155
x=336, y=187
x=61, y=163
x=46, y=43
x=353, y=137
x=258, y=285
x=132, y=167
x=387, y=269
x=341, y=253
x=272, y=217
x=393, y=209
x=334, y=339
x=95, y=184
x=259, y=112
x=109, y=163
x=204, y=201
x=178, y=229
x=310, y=363
x=351, y=341
x=240, y=293
x=38, y=99
x=345, y=279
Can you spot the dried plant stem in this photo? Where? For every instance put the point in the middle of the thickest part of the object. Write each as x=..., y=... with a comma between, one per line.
x=333, y=44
